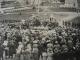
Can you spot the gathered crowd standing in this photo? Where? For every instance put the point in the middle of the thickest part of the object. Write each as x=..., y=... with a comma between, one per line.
x=39, y=40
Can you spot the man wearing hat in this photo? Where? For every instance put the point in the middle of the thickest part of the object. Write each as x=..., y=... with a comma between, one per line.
x=71, y=50
x=44, y=48
x=26, y=51
x=24, y=24
x=49, y=51
x=56, y=50
x=64, y=52
x=35, y=50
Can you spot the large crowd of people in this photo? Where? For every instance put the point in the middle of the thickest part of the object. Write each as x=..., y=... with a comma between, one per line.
x=35, y=40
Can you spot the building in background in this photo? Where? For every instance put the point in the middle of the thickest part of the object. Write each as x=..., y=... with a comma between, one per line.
x=71, y=3
x=64, y=3
x=6, y=3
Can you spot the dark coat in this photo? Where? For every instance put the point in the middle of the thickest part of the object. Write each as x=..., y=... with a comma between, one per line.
x=1, y=51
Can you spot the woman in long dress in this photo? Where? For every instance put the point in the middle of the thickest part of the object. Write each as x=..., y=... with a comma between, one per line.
x=27, y=52
x=6, y=49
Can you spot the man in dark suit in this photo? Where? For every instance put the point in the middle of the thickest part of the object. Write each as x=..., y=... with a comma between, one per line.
x=1, y=51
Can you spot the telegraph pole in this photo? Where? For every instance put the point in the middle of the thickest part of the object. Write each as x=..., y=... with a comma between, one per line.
x=38, y=7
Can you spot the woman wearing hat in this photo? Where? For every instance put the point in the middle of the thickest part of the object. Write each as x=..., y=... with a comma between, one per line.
x=26, y=50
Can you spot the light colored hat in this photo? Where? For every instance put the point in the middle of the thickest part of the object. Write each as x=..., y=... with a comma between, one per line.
x=23, y=21
x=20, y=43
x=56, y=42
x=35, y=42
x=49, y=45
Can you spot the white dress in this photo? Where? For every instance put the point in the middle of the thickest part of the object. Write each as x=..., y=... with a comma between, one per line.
x=19, y=49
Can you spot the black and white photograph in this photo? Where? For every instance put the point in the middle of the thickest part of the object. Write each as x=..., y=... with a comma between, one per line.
x=39, y=29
